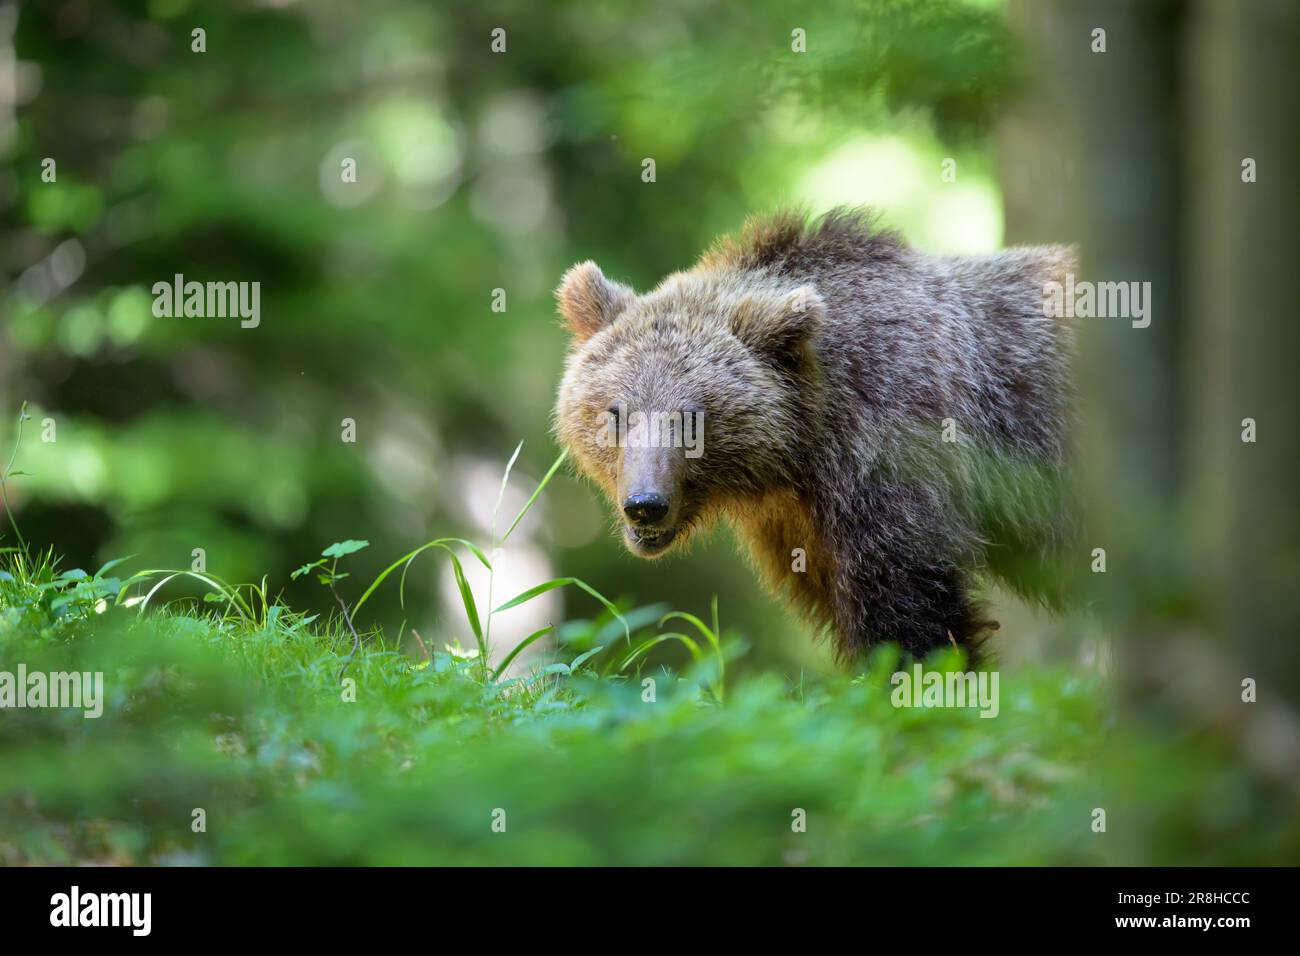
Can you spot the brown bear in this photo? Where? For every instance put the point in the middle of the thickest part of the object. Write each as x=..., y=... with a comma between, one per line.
x=881, y=425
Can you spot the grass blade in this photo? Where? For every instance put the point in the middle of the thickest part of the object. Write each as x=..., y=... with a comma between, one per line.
x=535, y=636
x=711, y=634
x=467, y=599
x=642, y=649
x=703, y=628
x=533, y=592
x=537, y=491
x=443, y=543
x=230, y=594
x=501, y=495
x=109, y=565
x=562, y=582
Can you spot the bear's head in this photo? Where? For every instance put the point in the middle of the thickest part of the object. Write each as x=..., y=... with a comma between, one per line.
x=688, y=400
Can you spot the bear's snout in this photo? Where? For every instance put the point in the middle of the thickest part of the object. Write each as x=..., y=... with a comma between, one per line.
x=648, y=508
x=649, y=495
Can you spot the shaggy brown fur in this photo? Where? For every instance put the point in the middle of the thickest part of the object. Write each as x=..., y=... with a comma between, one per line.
x=826, y=359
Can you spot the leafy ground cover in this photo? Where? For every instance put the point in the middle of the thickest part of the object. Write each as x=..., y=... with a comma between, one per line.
x=236, y=730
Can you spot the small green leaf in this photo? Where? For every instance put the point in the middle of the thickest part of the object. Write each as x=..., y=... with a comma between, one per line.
x=341, y=548
x=583, y=658
x=108, y=566
x=305, y=569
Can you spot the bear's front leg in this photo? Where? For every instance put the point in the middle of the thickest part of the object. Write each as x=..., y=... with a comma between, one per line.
x=897, y=577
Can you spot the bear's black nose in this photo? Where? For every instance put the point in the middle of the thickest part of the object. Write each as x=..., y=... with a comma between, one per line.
x=645, y=508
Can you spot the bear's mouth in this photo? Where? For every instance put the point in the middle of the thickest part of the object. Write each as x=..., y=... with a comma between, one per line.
x=648, y=542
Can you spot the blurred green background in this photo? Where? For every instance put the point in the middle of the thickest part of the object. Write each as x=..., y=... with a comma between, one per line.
x=480, y=171
x=475, y=171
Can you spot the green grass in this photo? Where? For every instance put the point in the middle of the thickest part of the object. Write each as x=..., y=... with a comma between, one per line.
x=301, y=750
x=246, y=719
x=304, y=740
x=315, y=740
x=243, y=715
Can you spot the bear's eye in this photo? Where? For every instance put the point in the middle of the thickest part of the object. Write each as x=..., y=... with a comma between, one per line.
x=613, y=413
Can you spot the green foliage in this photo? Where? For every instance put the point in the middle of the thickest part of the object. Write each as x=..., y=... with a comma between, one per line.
x=245, y=719
x=231, y=704
x=235, y=706
x=332, y=574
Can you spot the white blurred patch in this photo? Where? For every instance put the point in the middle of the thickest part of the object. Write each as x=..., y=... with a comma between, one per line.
x=405, y=461
x=517, y=567
x=901, y=177
x=49, y=277
x=515, y=124
x=478, y=482
x=422, y=148
x=513, y=199
x=67, y=262
x=36, y=285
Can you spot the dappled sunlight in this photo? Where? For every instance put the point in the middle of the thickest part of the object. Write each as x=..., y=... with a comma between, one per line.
x=902, y=178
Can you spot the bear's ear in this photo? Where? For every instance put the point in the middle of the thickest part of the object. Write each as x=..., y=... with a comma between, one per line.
x=776, y=325
x=589, y=301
